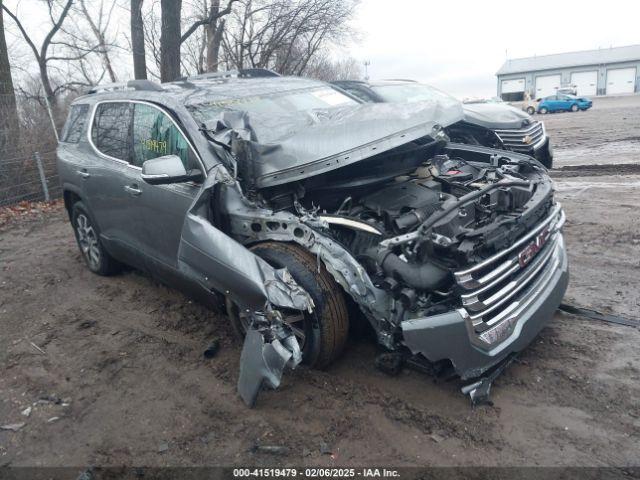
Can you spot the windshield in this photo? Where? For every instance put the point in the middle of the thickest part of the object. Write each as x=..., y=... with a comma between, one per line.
x=410, y=93
x=275, y=104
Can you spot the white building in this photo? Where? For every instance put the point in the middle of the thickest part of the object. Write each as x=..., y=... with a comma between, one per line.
x=606, y=71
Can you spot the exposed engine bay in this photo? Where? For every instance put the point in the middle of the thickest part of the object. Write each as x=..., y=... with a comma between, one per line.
x=422, y=212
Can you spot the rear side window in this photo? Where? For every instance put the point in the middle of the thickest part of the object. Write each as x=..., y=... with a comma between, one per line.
x=155, y=135
x=110, y=130
x=75, y=124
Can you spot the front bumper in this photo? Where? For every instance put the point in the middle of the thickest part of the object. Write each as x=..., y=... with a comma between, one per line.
x=451, y=335
x=537, y=144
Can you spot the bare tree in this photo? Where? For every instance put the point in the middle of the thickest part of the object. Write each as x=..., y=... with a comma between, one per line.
x=164, y=40
x=99, y=28
x=214, y=26
x=137, y=41
x=324, y=68
x=285, y=34
x=8, y=109
x=42, y=54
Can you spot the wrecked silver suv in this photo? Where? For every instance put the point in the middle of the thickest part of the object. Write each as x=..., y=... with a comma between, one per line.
x=306, y=209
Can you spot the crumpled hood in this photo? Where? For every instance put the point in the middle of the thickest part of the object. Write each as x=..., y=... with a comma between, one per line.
x=494, y=115
x=276, y=149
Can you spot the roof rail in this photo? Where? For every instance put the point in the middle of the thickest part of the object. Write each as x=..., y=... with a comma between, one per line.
x=257, y=72
x=400, y=80
x=241, y=73
x=144, y=85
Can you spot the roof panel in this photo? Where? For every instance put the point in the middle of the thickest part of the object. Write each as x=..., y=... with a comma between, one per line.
x=571, y=59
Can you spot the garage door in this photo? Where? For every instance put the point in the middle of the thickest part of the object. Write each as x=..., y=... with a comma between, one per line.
x=512, y=90
x=586, y=83
x=621, y=80
x=512, y=86
x=547, y=85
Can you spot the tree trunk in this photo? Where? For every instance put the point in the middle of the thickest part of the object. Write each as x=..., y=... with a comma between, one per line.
x=214, y=37
x=46, y=85
x=137, y=41
x=213, y=49
x=8, y=110
x=170, y=40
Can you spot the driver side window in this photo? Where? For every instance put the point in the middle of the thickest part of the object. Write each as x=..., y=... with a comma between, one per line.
x=155, y=135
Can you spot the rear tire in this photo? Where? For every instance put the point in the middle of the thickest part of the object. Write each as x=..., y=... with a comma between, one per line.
x=325, y=329
x=531, y=110
x=87, y=235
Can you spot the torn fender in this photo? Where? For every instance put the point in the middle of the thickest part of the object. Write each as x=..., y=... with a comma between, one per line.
x=218, y=262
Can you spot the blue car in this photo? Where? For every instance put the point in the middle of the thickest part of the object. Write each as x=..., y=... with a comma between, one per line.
x=563, y=103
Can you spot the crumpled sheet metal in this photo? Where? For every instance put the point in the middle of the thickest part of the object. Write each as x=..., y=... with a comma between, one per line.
x=262, y=363
x=219, y=262
x=283, y=291
x=272, y=149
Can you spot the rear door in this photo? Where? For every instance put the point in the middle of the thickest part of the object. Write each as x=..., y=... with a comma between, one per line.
x=112, y=183
x=550, y=102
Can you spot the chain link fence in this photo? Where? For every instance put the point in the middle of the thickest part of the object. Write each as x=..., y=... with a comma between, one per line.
x=27, y=151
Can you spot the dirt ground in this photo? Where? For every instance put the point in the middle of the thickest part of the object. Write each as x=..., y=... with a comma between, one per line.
x=113, y=370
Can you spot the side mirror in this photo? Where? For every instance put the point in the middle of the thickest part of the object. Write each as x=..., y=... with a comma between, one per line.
x=167, y=169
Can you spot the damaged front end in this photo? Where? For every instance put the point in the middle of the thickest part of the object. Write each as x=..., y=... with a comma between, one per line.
x=219, y=263
x=454, y=253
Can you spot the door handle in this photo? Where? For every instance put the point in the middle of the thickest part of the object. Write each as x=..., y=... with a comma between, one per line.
x=132, y=190
x=83, y=173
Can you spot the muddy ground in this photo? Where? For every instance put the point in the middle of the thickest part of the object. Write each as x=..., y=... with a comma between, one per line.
x=113, y=371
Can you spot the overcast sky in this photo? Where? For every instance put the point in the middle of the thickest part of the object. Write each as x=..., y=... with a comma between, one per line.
x=452, y=44
x=459, y=45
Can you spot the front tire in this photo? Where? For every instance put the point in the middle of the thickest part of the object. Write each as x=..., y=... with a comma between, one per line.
x=321, y=334
x=574, y=108
x=87, y=235
x=544, y=110
x=531, y=110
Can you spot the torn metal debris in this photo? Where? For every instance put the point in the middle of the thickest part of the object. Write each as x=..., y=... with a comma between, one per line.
x=595, y=315
x=269, y=347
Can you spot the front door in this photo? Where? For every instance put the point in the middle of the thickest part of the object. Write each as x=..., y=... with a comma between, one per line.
x=164, y=207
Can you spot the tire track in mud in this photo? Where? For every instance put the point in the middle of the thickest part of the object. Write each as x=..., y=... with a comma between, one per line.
x=596, y=170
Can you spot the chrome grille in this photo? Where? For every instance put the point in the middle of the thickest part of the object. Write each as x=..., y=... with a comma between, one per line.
x=514, y=139
x=494, y=291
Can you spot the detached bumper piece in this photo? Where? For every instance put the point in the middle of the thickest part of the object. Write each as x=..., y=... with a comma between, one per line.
x=479, y=390
x=268, y=348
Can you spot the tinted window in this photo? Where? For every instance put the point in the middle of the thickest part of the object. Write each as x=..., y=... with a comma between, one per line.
x=75, y=124
x=361, y=94
x=110, y=131
x=155, y=135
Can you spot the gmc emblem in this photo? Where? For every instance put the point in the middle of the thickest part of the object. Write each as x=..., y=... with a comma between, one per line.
x=527, y=254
